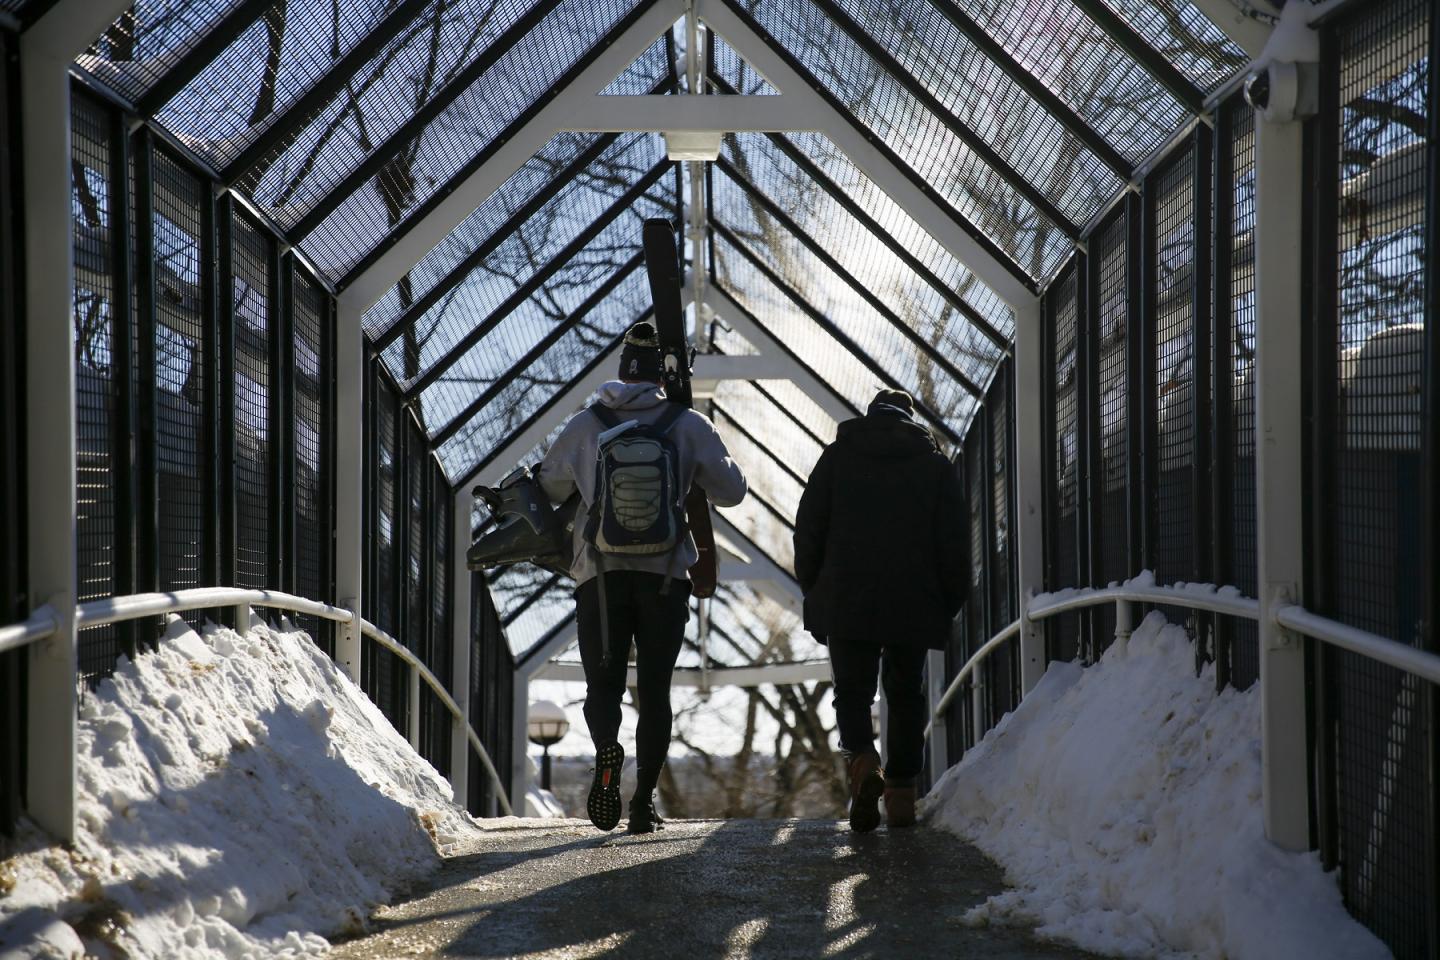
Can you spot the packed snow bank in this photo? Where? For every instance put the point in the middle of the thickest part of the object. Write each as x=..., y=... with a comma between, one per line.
x=238, y=796
x=1123, y=802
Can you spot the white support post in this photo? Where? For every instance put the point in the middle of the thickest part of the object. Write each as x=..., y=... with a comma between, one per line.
x=935, y=681
x=349, y=481
x=412, y=718
x=520, y=743
x=46, y=51
x=1279, y=476
x=460, y=535
x=1029, y=487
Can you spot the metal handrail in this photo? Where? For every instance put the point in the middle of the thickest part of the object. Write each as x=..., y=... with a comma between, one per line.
x=970, y=666
x=1049, y=605
x=395, y=647
x=1422, y=663
x=44, y=622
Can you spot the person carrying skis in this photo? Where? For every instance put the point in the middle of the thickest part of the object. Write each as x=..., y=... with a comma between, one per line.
x=880, y=554
x=633, y=455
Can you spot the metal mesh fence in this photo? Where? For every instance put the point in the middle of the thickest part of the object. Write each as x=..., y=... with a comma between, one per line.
x=1235, y=518
x=1110, y=509
x=313, y=474
x=98, y=318
x=1174, y=369
x=1185, y=37
x=183, y=352
x=492, y=671
x=382, y=673
x=416, y=575
x=436, y=730
x=1374, y=120
x=252, y=332
x=1062, y=310
x=1002, y=667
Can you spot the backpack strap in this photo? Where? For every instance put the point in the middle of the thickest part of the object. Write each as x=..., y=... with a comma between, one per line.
x=668, y=418
x=605, y=415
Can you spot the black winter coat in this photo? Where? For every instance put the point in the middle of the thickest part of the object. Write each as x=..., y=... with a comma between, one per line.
x=880, y=537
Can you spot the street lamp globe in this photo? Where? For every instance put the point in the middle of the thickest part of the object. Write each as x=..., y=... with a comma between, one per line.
x=548, y=726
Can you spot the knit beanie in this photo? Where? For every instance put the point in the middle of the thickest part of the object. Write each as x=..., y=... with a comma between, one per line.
x=640, y=357
x=895, y=403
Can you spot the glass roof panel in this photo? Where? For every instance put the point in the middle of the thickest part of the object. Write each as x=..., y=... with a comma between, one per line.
x=514, y=587
x=486, y=296
x=1083, y=66
x=145, y=42
x=742, y=406
x=654, y=65
x=722, y=61
x=773, y=482
x=520, y=394
x=922, y=303
x=917, y=136
x=752, y=621
x=863, y=323
x=980, y=94
x=451, y=143
x=1185, y=37
x=765, y=530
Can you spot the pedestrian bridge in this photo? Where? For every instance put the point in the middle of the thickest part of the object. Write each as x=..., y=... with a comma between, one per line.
x=282, y=280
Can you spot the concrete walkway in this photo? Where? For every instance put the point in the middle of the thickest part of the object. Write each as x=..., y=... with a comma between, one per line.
x=701, y=889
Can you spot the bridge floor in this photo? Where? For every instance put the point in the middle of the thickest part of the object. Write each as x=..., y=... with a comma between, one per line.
x=700, y=889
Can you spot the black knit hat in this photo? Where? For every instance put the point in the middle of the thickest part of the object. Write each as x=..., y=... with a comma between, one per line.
x=640, y=356
x=893, y=403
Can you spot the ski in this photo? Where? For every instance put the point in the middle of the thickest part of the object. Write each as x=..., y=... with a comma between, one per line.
x=662, y=263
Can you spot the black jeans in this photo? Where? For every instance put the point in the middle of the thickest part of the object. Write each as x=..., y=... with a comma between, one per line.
x=901, y=669
x=655, y=623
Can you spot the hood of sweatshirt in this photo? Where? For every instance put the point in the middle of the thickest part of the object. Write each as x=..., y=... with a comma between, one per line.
x=887, y=437
x=619, y=395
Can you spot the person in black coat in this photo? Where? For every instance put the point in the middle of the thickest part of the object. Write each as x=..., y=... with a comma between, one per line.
x=880, y=554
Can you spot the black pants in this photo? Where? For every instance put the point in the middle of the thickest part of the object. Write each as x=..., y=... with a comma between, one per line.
x=856, y=664
x=655, y=623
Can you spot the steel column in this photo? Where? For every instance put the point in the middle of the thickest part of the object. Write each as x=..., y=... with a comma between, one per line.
x=1279, y=201
x=460, y=536
x=350, y=474
x=1029, y=486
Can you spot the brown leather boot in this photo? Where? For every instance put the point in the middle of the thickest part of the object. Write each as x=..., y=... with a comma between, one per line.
x=900, y=804
x=867, y=783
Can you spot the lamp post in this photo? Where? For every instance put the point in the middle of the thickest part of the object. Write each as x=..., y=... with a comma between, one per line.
x=548, y=725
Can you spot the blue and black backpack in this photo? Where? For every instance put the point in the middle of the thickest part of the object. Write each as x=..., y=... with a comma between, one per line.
x=639, y=508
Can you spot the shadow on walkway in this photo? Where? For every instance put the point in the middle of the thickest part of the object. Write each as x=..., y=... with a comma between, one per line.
x=702, y=889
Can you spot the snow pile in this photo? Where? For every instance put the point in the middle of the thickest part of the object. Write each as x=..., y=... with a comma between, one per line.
x=1124, y=803
x=238, y=796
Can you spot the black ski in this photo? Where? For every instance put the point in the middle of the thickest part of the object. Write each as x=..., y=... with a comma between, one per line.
x=662, y=263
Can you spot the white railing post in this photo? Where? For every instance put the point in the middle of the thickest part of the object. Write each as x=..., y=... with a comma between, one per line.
x=1124, y=623
x=460, y=653
x=46, y=51
x=935, y=689
x=412, y=725
x=1279, y=200
x=1029, y=489
x=349, y=481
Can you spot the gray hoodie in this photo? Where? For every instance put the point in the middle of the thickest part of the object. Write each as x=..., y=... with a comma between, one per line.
x=570, y=465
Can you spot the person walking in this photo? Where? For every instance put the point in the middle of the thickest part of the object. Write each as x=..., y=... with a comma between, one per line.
x=880, y=554
x=632, y=455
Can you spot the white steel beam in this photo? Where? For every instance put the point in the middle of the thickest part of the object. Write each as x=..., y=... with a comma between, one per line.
x=659, y=113
x=349, y=484
x=1029, y=488
x=763, y=574
x=821, y=393
x=1279, y=475
x=712, y=368
x=46, y=51
x=1243, y=26
x=434, y=227
x=568, y=671
x=460, y=641
x=938, y=745
x=862, y=152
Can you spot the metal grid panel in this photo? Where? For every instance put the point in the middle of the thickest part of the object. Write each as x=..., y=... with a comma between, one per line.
x=756, y=408
x=484, y=294
x=1083, y=66
x=417, y=601
x=435, y=728
x=314, y=482
x=920, y=138
x=148, y=40
x=723, y=61
x=828, y=292
x=182, y=351
x=923, y=303
x=1185, y=37
x=1002, y=554
x=492, y=671
x=97, y=459
x=980, y=94
x=1382, y=715
x=1240, y=292
x=521, y=78
x=772, y=480
x=519, y=392
x=1174, y=375
x=387, y=481
x=1111, y=515
x=647, y=71
x=1063, y=567
x=250, y=313
x=531, y=602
